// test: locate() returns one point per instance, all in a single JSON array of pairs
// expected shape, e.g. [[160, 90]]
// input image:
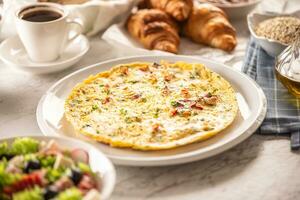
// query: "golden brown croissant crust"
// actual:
[[209, 25], [154, 29], [178, 9]]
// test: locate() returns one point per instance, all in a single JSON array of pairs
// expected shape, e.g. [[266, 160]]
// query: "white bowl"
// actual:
[[97, 15], [98, 161], [272, 47], [238, 10]]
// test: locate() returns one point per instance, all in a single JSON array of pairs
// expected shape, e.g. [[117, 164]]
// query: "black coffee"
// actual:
[[41, 16]]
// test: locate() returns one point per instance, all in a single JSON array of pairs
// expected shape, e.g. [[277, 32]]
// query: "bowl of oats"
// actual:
[[274, 32]]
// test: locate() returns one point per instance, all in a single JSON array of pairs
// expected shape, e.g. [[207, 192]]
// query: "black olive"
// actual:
[[6, 156], [75, 175], [49, 193], [32, 165]]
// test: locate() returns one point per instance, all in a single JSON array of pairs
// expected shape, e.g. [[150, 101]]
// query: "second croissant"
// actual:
[[209, 25], [178, 9]]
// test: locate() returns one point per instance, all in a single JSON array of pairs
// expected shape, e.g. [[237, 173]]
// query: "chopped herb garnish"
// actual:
[[174, 103], [86, 125], [131, 119], [123, 111], [215, 90], [97, 132], [156, 114], [107, 92], [133, 82], [101, 85], [95, 107], [137, 119], [209, 95], [192, 76], [144, 100], [128, 120], [77, 101]]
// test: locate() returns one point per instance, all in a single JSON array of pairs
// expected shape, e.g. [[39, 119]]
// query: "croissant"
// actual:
[[209, 25], [178, 9], [154, 29]]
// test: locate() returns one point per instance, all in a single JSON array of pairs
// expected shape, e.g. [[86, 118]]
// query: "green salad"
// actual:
[[34, 170]]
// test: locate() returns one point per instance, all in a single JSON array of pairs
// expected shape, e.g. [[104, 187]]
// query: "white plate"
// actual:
[[13, 53], [251, 99], [98, 161]]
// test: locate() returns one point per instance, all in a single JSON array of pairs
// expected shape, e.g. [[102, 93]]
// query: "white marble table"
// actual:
[[259, 168]]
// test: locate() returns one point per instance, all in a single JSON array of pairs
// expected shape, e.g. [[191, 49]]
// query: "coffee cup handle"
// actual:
[[75, 28]]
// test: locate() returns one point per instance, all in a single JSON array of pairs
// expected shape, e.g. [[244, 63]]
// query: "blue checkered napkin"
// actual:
[[283, 114]]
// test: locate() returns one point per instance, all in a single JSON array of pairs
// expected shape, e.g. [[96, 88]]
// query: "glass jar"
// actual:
[[287, 68]]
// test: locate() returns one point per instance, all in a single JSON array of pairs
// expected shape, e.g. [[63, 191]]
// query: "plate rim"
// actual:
[[173, 159]]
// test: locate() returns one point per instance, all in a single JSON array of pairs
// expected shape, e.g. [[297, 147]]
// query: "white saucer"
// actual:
[[13, 53]]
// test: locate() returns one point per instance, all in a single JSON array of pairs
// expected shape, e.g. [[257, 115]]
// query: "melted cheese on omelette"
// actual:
[[151, 106]]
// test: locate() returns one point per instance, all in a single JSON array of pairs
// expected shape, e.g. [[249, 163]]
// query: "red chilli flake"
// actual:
[[155, 127], [106, 100], [173, 112], [106, 86], [136, 96]]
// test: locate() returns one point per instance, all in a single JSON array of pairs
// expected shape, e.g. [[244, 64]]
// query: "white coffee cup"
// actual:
[[43, 39]]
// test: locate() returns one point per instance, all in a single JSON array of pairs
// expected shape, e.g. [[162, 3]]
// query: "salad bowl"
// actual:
[[53, 168]]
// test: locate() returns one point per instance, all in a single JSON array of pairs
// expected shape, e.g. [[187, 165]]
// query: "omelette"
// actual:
[[151, 106]]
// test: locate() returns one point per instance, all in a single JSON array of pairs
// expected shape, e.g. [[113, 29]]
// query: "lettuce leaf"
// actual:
[[24, 145], [29, 194], [70, 194], [5, 177]]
